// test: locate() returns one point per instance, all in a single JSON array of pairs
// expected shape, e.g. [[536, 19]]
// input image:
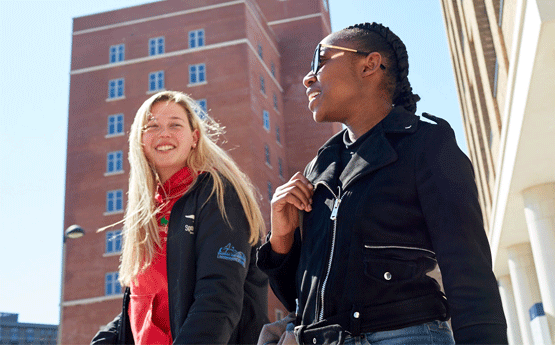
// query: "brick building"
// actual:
[[243, 60]]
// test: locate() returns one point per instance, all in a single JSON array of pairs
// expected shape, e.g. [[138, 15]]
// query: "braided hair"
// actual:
[[374, 37]]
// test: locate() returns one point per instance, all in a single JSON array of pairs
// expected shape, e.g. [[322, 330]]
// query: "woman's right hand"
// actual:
[[288, 199]]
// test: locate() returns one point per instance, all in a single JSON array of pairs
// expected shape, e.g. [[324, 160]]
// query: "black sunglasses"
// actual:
[[315, 65]]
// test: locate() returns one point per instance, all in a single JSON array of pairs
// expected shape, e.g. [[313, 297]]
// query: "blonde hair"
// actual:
[[140, 229]]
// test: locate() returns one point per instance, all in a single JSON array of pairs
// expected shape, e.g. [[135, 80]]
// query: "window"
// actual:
[[14, 335], [270, 191], [260, 51], [29, 335], [112, 286], [115, 124], [326, 5], [273, 70], [113, 241], [278, 135], [266, 116], [117, 53], [202, 104], [156, 81], [197, 73], [280, 168], [267, 154], [114, 162], [500, 21], [156, 46], [196, 38], [490, 138], [115, 88], [203, 109], [262, 86], [114, 201], [275, 102]]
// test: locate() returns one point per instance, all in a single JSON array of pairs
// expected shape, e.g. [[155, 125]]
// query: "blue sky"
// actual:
[[35, 40]]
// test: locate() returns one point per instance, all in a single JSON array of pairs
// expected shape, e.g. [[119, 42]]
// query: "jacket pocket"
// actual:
[[397, 264]]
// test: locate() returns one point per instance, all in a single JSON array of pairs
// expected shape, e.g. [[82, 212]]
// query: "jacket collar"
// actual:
[[374, 153]]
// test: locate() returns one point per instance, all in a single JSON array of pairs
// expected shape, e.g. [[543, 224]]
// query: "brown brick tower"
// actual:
[[243, 60]]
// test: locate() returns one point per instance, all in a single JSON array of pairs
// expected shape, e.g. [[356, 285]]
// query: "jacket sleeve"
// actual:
[[449, 200], [109, 333], [281, 270], [222, 256]]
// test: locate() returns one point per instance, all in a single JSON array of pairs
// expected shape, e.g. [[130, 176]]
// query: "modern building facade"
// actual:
[[503, 57], [14, 332], [243, 60]]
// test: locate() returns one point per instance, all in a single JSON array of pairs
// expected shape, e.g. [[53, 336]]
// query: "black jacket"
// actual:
[[406, 200], [217, 295]]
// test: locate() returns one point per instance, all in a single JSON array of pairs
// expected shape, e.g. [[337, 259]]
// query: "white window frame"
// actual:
[[113, 243], [270, 191], [114, 163], [267, 155], [118, 125], [202, 109], [117, 86], [114, 196], [117, 53], [195, 73], [111, 278], [266, 120], [158, 44], [158, 78], [196, 39], [202, 104], [262, 85]]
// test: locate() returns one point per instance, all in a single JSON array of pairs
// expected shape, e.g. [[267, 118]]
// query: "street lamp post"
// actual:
[[74, 231]]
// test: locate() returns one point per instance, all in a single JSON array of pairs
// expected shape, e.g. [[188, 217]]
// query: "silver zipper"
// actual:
[[398, 247], [333, 217]]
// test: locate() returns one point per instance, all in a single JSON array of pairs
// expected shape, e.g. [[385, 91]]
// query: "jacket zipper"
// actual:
[[333, 217]]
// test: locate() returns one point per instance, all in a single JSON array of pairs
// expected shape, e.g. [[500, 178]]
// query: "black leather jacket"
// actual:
[[405, 201], [217, 295]]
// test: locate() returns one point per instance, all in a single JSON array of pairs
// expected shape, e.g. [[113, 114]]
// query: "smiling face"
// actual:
[[335, 89], [168, 138]]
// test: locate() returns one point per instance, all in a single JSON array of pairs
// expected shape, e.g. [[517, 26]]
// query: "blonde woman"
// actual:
[[190, 234]]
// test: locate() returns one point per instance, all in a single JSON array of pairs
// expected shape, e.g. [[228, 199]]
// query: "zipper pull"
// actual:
[[336, 206]]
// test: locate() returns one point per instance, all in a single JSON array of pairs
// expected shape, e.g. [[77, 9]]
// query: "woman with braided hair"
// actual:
[[381, 205]]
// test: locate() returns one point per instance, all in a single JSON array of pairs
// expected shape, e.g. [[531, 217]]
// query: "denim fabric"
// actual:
[[435, 332]]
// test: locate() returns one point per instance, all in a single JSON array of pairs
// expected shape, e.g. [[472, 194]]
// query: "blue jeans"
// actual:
[[435, 332]]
